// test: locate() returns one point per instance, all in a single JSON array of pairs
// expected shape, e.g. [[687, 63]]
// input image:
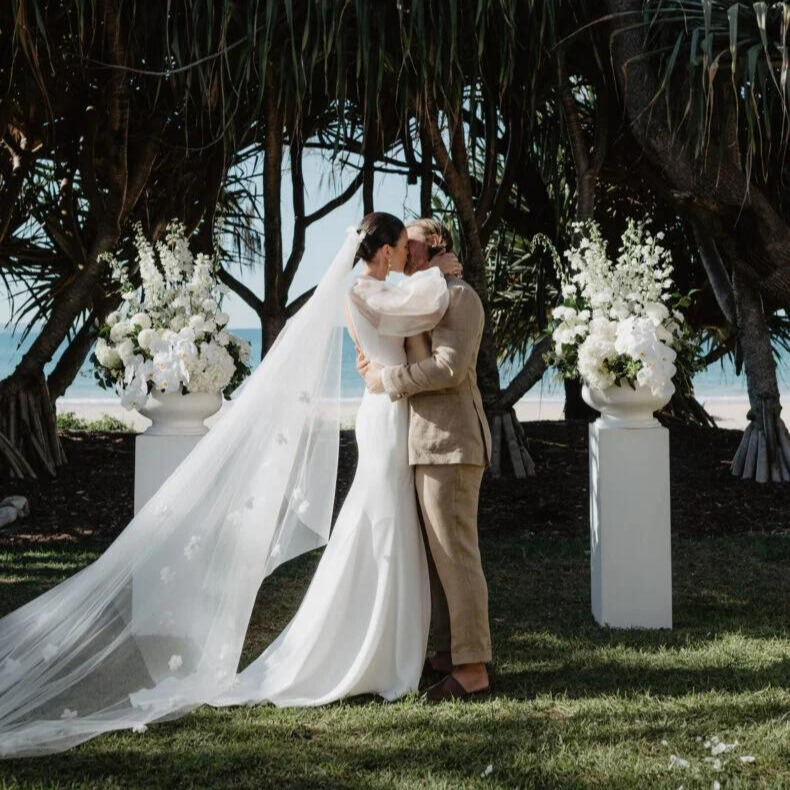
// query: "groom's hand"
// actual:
[[448, 263], [370, 372]]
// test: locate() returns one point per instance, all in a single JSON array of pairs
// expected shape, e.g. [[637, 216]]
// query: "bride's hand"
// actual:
[[448, 263]]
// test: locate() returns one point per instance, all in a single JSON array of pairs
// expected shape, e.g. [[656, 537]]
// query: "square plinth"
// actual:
[[630, 550]]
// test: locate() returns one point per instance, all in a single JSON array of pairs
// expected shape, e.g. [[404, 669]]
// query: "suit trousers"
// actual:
[[448, 496]]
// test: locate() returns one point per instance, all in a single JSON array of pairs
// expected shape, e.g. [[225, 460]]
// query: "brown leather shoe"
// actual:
[[450, 688], [430, 675]]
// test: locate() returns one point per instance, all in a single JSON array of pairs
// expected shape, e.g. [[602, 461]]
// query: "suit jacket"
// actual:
[[448, 424]]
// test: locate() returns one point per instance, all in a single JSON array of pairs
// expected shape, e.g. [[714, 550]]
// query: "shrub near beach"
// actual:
[[170, 335]]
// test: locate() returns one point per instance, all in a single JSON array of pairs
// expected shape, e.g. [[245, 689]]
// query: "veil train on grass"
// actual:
[[155, 626]]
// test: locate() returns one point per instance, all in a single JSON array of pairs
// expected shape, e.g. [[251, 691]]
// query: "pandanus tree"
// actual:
[[704, 89], [94, 106]]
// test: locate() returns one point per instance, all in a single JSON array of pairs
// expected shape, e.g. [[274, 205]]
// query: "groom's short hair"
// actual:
[[430, 227]]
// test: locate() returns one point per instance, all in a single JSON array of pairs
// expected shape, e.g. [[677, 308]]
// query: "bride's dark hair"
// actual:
[[380, 229]]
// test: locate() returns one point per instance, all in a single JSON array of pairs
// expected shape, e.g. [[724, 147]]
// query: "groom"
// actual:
[[449, 447]]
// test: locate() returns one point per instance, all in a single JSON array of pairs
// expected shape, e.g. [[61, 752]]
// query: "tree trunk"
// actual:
[[72, 359], [28, 413], [505, 428], [28, 424], [764, 451]]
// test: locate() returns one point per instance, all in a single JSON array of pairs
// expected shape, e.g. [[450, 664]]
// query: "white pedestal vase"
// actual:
[[177, 427], [631, 567]]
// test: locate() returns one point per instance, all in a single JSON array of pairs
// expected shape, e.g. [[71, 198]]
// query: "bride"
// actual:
[[155, 627]]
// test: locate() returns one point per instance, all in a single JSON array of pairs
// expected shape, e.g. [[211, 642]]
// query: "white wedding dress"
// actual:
[[362, 627], [154, 627]]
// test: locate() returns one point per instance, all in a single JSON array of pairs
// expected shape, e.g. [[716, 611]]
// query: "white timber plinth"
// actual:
[[155, 459], [630, 553]]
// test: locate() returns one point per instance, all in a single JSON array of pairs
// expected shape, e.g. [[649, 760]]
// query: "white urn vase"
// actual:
[[624, 406], [176, 414]]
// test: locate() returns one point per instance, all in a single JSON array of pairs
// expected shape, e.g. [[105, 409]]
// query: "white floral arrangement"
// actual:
[[617, 323], [170, 334]]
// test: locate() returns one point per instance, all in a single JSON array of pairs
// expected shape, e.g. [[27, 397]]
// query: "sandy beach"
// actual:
[[729, 412]]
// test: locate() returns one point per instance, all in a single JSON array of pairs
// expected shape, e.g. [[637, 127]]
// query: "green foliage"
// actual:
[[725, 63], [522, 287], [68, 421]]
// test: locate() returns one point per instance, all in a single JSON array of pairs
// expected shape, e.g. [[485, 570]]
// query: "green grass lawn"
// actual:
[[576, 706]]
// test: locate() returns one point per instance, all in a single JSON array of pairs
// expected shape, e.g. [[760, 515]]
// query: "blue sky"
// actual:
[[324, 180]]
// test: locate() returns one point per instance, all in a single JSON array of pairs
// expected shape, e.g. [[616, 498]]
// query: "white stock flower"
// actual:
[[181, 334]]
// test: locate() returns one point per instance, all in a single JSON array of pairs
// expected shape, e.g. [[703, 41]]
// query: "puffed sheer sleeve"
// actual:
[[415, 305]]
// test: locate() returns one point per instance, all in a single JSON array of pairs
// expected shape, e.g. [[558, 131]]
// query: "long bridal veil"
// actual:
[[155, 626]]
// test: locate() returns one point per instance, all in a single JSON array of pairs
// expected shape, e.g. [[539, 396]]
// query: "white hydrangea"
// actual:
[[119, 331], [141, 320], [212, 370], [147, 338], [107, 355]]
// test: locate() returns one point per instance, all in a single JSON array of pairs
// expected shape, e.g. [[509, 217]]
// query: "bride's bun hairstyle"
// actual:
[[436, 233], [380, 229]]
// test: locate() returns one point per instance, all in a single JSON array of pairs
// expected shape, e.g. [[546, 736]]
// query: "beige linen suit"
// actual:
[[450, 446]]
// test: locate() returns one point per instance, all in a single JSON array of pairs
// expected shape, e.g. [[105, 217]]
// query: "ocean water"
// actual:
[[719, 380]]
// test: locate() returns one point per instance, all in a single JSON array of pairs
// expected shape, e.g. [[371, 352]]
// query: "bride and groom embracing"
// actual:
[[155, 626]]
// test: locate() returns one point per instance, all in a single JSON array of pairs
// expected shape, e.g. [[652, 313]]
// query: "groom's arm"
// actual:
[[453, 342]]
